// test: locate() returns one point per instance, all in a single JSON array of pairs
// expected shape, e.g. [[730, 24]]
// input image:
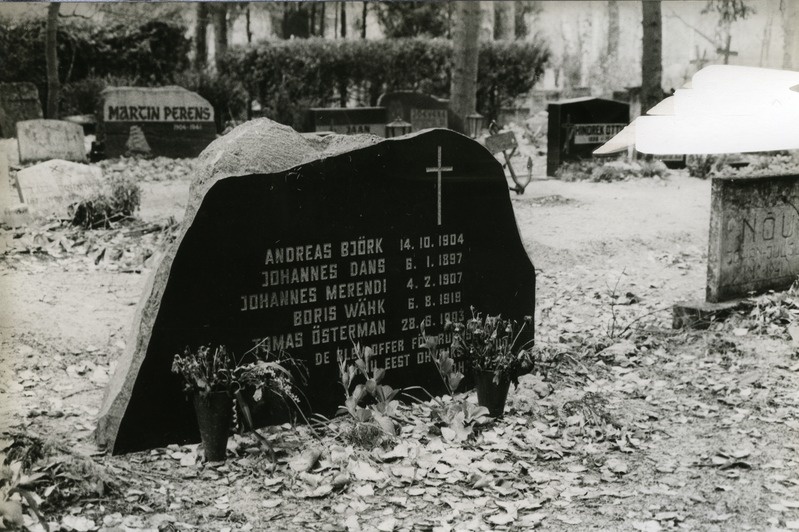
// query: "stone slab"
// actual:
[[18, 102], [422, 111], [49, 188], [701, 314], [42, 140], [347, 121], [576, 127], [340, 241], [754, 236], [174, 122]]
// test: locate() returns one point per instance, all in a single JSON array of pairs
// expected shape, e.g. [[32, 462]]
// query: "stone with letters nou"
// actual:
[[578, 126], [175, 122], [754, 236], [347, 121], [362, 245]]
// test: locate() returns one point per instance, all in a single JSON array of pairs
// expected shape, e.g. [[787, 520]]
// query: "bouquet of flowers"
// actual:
[[493, 344]]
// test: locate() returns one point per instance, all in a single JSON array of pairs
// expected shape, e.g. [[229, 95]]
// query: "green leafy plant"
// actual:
[[458, 415], [251, 378], [118, 202], [383, 397], [16, 487], [493, 344]]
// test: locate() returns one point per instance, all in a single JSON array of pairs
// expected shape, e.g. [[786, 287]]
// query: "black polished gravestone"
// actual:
[[347, 121], [364, 246], [578, 126]]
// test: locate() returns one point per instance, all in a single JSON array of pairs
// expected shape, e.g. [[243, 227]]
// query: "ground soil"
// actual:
[[704, 424]]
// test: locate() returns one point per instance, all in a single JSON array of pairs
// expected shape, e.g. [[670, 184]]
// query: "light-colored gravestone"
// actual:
[[49, 188], [170, 121], [18, 102], [754, 236], [42, 140]]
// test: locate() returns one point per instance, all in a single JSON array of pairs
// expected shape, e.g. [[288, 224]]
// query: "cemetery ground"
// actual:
[[626, 425]]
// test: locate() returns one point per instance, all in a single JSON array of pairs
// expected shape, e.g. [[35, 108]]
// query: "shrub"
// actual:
[[287, 76], [226, 95], [146, 54], [608, 171], [118, 202]]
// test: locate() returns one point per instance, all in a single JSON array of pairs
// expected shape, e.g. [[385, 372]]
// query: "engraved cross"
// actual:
[[438, 169]]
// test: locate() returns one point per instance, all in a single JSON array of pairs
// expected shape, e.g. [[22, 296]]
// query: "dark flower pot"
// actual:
[[490, 394], [214, 414]]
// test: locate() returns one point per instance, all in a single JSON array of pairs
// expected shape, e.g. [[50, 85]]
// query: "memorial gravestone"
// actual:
[[18, 102], [42, 140], [171, 121], [754, 236], [347, 121], [422, 111], [578, 126], [49, 188], [362, 244]]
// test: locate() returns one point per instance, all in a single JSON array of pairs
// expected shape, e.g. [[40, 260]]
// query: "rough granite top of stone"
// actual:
[[263, 146]]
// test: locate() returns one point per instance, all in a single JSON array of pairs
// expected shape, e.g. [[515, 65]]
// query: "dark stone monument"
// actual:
[[18, 102], [43, 140], [754, 236], [347, 121], [311, 244], [172, 121], [422, 111], [578, 126]]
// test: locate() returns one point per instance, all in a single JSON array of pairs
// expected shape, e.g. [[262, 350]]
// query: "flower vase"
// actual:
[[214, 412], [490, 394]]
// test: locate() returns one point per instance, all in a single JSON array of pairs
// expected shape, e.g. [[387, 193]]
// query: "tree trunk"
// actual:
[[790, 28], [504, 20], [466, 46], [312, 23], [652, 56], [322, 21], [51, 54], [201, 36], [486, 19], [363, 22], [249, 23], [613, 29], [220, 32], [343, 20], [520, 9]]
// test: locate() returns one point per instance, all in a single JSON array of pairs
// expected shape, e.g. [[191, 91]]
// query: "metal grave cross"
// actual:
[[438, 169]]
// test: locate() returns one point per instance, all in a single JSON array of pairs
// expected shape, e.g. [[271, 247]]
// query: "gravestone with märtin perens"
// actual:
[[171, 121], [310, 245]]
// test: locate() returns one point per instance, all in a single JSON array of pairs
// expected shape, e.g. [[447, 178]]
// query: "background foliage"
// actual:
[[287, 76]]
